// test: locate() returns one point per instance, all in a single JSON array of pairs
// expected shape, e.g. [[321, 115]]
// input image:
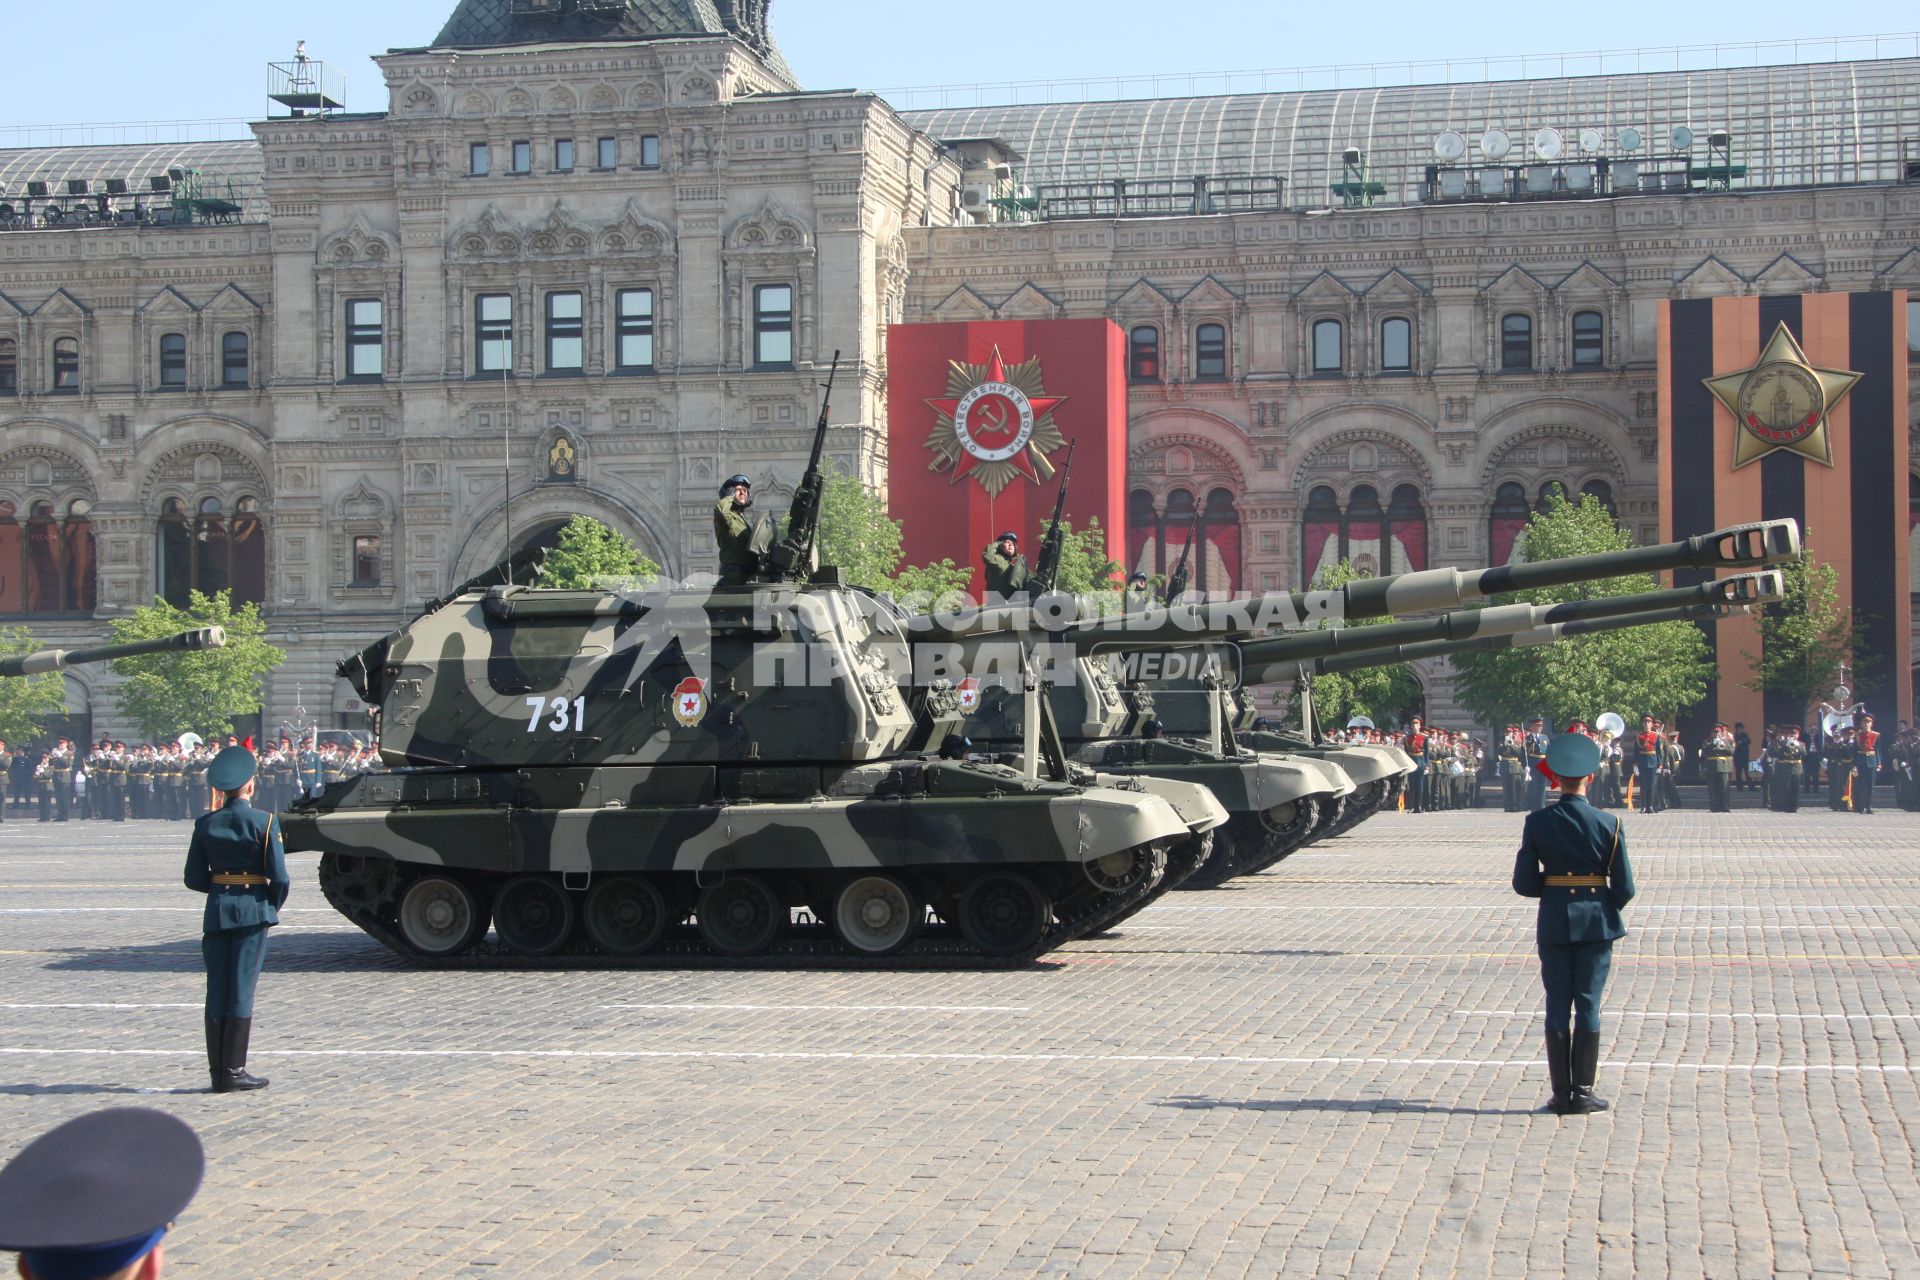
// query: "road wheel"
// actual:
[[1004, 914], [877, 915], [626, 916], [533, 915], [741, 916], [441, 916]]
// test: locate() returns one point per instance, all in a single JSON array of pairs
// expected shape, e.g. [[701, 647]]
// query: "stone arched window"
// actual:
[[1913, 527], [1516, 341], [211, 548], [1600, 491], [1143, 354], [1161, 534], [1589, 340], [47, 559], [1374, 538], [1507, 521], [9, 367]]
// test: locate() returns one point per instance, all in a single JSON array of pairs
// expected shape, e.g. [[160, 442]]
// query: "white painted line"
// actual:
[[1720, 1017], [194, 909], [1176, 1059], [1772, 928], [834, 1008], [194, 1005]]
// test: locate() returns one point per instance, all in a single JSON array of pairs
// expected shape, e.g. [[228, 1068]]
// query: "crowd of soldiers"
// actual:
[[114, 781], [1851, 762]]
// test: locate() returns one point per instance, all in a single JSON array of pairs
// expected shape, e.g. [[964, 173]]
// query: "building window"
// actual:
[[1913, 325], [1396, 345], [566, 350], [523, 157], [1516, 341], [366, 338], [210, 552], [563, 155], [479, 159], [1156, 538], [234, 365], [1372, 539], [607, 155], [1601, 492], [1143, 354], [634, 329], [366, 560], [650, 151], [773, 325], [1326, 346], [66, 366], [9, 367], [1589, 330], [1210, 351], [46, 565], [173, 361], [493, 333]]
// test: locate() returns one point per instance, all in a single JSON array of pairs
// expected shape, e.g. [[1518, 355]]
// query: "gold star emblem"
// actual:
[[1782, 402], [995, 423]]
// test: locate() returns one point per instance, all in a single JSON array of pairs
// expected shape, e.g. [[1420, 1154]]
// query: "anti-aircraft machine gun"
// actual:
[[627, 759]]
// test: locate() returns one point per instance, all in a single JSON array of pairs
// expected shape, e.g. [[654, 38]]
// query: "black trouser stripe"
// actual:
[[1783, 483], [1876, 523], [1690, 346]]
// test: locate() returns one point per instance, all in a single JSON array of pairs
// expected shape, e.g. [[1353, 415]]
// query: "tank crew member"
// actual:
[[733, 534], [1139, 593], [236, 859], [1573, 858], [94, 1197], [1006, 576], [1535, 746], [1716, 762], [1866, 764]]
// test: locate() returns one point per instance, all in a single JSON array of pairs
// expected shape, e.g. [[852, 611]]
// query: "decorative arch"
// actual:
[[1511, 444], [769, 229], [358, 244], [633, 232], [538, 505], [47, 551], [1173, 478], [1360, 454]]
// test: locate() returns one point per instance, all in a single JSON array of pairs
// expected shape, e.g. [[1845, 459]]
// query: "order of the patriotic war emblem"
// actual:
[[995, 423], [1782, 402]]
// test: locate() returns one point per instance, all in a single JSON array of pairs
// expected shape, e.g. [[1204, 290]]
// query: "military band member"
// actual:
[[1716, 762], [1785, 760], [1742, 756], [1006, 569], [1536, 749], [1573, 858], [1839, 769], [1673, 757], [1417, 744], [1646, 763], [1904, 756], [1866, 764], [733, 533], [1513, 769], [236, 859]]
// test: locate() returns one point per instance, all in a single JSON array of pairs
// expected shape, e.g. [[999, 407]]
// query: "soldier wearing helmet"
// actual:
[[1006, 576], [732, 533]]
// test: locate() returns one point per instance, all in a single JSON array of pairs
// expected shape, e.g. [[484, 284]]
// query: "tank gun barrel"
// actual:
[[43, 660], [1743, 546], [1496, 620], [1516, 640]]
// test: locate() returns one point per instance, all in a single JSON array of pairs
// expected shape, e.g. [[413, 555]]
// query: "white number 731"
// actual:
[[562, 711]]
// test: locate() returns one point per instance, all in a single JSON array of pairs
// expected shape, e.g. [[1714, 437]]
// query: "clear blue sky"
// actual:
[[128, 61]]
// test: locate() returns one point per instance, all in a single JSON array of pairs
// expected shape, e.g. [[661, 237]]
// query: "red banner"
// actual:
[[980, 414]]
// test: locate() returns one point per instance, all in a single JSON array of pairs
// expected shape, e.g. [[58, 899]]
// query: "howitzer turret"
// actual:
[[43, 660]]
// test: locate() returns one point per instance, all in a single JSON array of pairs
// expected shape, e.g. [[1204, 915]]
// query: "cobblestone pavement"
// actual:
[[1331, 1069]]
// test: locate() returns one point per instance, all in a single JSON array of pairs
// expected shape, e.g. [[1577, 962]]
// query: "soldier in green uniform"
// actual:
[[1139, 594], [60, 769], [1006, 576], [1716, 763], [1573, 858], [1905, 755], [732, 532], [1785, 759], [1513, 769], [1535, 746], [1839, 767], [6, 777], [236, 859]]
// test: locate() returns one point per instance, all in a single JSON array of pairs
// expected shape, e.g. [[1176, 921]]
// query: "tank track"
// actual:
[[1378, 795], [939, 945], [1272, 846]]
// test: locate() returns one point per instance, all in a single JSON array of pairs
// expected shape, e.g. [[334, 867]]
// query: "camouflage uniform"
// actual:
[[733, 534]]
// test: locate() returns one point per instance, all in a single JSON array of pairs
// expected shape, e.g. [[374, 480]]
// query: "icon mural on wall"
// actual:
[[1782, 402], [561, 459], [995, 423]]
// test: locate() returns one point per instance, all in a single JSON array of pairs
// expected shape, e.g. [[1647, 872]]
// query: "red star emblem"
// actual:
[[995, 420]]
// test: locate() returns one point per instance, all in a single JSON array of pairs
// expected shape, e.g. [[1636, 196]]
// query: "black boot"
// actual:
[[1560, 1069], [1586, 1065], [216, 1065], [234, 1057]]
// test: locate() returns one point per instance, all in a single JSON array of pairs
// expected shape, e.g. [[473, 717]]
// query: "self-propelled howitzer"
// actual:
[[44, 660]]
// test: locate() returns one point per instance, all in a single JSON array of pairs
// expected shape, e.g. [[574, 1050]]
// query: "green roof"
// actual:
[[483, 23]]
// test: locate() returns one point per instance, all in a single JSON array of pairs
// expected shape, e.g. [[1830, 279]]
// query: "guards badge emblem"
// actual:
[[690, 701]]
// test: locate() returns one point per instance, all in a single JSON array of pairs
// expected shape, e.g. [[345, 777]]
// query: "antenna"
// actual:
[[1547, 144], [1629, 139], [1590, 141], [1450, 146], [1682, 137], [1495, 143]]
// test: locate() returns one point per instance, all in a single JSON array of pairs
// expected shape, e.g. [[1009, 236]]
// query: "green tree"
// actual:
[[589, 553], [858, 536], [1085, 567], [1661, 669], [23, 702], [1384, 695], [1805, 637], [166, 694]]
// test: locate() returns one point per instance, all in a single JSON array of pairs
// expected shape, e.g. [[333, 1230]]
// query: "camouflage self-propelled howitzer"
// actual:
[[41, 661], [1206, 707], [587, 769]]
